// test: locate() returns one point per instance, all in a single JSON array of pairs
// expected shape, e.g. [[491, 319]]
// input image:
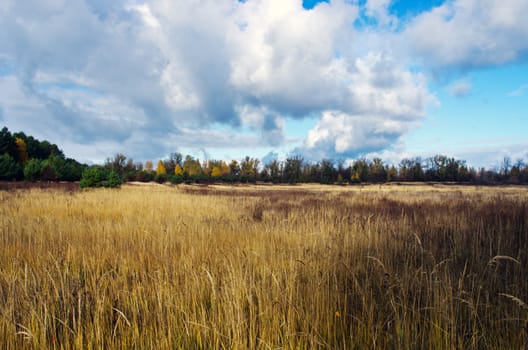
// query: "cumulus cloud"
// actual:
[[285, 56], [147, 77], [342, 135], [120, 72], [465, 34], [385, 101]]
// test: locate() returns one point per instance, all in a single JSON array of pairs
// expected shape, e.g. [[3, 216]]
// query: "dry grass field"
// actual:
[[262, 267]]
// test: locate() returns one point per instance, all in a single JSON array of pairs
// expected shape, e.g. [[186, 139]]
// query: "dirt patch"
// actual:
[[23, 185]]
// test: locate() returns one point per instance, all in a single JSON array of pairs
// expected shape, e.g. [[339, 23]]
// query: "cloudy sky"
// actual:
[[224, 78]]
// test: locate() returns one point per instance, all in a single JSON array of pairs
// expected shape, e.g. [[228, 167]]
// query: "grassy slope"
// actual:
[[422, 267]]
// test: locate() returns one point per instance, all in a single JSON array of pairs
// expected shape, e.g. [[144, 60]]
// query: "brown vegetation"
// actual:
[[405, 267], [19, 185]]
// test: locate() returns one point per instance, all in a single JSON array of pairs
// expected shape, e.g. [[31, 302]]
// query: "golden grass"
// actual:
[[302, 267]]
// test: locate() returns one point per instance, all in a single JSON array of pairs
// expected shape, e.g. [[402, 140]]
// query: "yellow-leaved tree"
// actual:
[[178, 170], [192, 166], [216, 172], [216, 168], [22, 149], [160, 169]]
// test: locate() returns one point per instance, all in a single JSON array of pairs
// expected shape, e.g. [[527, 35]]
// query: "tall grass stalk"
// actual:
[[162, 267]]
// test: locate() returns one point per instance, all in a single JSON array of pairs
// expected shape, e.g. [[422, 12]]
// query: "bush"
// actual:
[[100, 177], [93, 177], [131, 175], [32, 170], [113, 180], [176, 179], [144, 176], [161, 178]]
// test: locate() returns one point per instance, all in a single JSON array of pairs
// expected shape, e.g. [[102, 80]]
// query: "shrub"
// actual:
[[113, 180], [92, 177], [144, 176], [161, 178], [176, 179], [131, 175], [32, 170], [100, 177]]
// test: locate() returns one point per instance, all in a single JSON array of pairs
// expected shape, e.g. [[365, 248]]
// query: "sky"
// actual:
[[222, 79]]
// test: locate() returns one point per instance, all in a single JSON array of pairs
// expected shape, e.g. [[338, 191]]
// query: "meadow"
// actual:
[[264, 267]]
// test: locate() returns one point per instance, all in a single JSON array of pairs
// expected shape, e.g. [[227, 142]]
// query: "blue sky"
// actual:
[[490, 118], [337, 79]]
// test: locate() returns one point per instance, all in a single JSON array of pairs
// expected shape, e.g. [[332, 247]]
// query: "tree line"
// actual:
[[23, 157]]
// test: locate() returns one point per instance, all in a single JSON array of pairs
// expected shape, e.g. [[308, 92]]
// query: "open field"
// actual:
[[295, 267]]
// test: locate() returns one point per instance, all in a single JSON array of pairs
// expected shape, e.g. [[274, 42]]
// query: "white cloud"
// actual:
[[470, 33], [146, 15], [150, 76], [460, 88], [164, 66], [342, 135], [285, 56], [385, 101], [379, 10]]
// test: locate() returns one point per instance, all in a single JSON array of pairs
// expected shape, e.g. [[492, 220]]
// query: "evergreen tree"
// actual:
[[32, 170], [9, 168]]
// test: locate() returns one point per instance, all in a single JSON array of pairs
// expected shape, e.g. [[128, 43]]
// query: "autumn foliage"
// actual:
[[160, 168], [22, 149]]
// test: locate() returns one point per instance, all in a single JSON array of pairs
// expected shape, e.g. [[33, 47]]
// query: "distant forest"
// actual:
[[24, 158]]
